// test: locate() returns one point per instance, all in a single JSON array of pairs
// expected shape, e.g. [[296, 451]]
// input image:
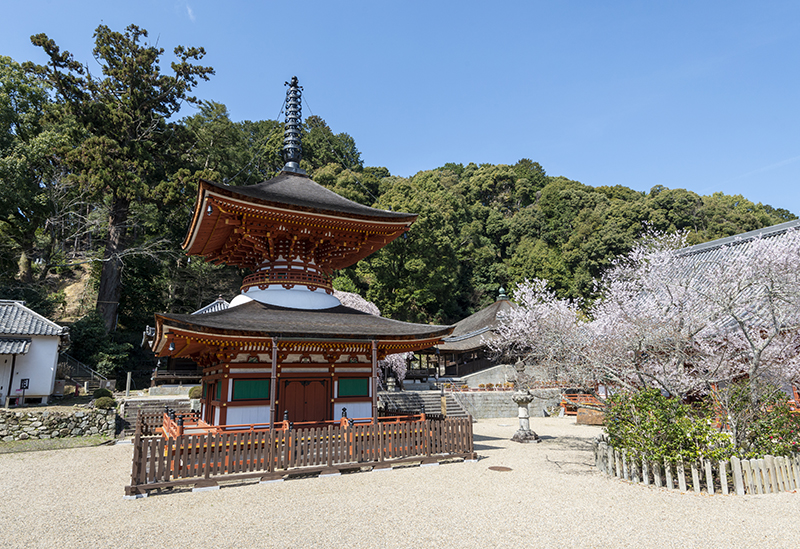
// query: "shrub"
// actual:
[[196, 392], [105, 403], [775, 431], [99, 393], [662, 428]]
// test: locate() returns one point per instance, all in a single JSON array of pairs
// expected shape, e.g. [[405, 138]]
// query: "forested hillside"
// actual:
[[98, 179]]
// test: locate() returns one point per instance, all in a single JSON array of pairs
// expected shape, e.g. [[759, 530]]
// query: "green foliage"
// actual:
[[661, 428], [96, 348], [105, 403], [759, 418], [196, 392], [775, 431], [99, 393]]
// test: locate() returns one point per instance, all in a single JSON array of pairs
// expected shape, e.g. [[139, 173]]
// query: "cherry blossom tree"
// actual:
[[688, 321], [545, 332]]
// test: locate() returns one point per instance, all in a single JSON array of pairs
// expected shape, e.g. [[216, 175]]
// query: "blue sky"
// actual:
[[697, 95]]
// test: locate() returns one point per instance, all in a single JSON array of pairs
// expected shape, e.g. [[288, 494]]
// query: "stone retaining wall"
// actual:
[[494, 404], [28, 424]]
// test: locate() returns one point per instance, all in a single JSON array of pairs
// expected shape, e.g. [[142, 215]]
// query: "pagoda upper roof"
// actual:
[[302, 193], [291, 205], [259, 320]]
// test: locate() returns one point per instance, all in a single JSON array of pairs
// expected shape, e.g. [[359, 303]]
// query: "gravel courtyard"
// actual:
[[552, 497]]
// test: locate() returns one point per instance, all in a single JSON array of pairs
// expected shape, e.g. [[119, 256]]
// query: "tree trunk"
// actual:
[[25, 273], [111, 276]]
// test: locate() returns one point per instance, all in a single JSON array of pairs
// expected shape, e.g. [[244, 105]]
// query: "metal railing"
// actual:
[[74, 369]]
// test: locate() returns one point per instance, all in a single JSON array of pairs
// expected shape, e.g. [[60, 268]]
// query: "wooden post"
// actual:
[[760, 479], [738, 482], [645, 472], [748, 476], [769, 461], [668, 474], [796, 467], [681, 476], [374, 381], [695, 477], [723, 477], [273, 384], [709, 477], [656, 474]]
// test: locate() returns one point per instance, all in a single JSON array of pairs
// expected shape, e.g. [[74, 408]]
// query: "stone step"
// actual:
[[131, 407], [416, 401]]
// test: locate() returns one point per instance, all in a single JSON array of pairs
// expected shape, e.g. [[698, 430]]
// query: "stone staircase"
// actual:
[[417, 401], [131, 407]]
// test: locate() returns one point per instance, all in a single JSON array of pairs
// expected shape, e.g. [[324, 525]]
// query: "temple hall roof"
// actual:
[[257, 319], [472, 332]]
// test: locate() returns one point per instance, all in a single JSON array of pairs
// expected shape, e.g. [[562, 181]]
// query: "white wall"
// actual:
[[238, 415], [38, 365], [354, 409]]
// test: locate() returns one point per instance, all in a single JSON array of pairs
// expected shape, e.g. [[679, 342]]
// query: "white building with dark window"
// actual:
[[29, 346]]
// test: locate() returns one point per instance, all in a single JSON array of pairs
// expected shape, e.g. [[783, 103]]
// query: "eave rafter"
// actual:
[[246, 235]]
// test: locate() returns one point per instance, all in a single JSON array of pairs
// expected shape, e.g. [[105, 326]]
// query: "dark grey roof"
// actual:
[[740, 239], [695, 263], [261, 320], [217, 305], [17, 319], [302, 191], [14, 346], [474, 331]]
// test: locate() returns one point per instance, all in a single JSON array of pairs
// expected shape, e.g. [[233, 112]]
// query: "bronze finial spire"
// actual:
[[292, 147]]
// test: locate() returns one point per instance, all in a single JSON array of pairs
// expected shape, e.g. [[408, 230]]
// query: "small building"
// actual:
[[465, 351], [29, 347]]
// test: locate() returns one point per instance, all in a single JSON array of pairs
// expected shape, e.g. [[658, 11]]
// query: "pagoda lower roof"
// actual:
[[259, 320]]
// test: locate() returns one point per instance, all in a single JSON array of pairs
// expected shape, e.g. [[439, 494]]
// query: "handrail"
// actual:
[[72, 367], [180, 423]]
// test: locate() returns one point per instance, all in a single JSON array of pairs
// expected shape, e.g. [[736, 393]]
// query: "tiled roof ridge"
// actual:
[[27, 311], [764, 232]]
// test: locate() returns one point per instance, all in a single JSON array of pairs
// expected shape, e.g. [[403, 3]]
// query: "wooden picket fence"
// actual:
[[202, 460], [765, 475]]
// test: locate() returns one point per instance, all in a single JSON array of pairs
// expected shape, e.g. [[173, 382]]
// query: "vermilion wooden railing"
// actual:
[[206, 458]]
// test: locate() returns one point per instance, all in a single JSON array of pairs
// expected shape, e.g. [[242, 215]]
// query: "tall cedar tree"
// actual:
[[129, 147]]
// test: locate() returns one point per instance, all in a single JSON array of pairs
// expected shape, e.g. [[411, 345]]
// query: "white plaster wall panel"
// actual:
[[355, 410], [246, 415]]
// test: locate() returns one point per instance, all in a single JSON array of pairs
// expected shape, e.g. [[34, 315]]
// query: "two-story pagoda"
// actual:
[[286, 344]]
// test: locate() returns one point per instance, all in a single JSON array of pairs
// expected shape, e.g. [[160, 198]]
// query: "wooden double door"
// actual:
[[305, 400]]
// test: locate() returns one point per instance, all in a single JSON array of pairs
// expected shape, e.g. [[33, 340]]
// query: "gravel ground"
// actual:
[[552, 497]]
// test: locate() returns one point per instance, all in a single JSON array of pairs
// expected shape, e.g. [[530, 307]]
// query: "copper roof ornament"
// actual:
[[292, 145]]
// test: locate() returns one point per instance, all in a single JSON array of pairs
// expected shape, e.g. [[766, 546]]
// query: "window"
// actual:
[[353, 387], [250, 389]]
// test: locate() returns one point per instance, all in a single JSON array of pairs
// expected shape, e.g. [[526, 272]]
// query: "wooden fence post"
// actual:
[[774, 476], [656, 474], [709, 476], [681, 476], [695, 477], [645, 472], [668, 474], [738, 481], [796, 467], [723, 477]]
